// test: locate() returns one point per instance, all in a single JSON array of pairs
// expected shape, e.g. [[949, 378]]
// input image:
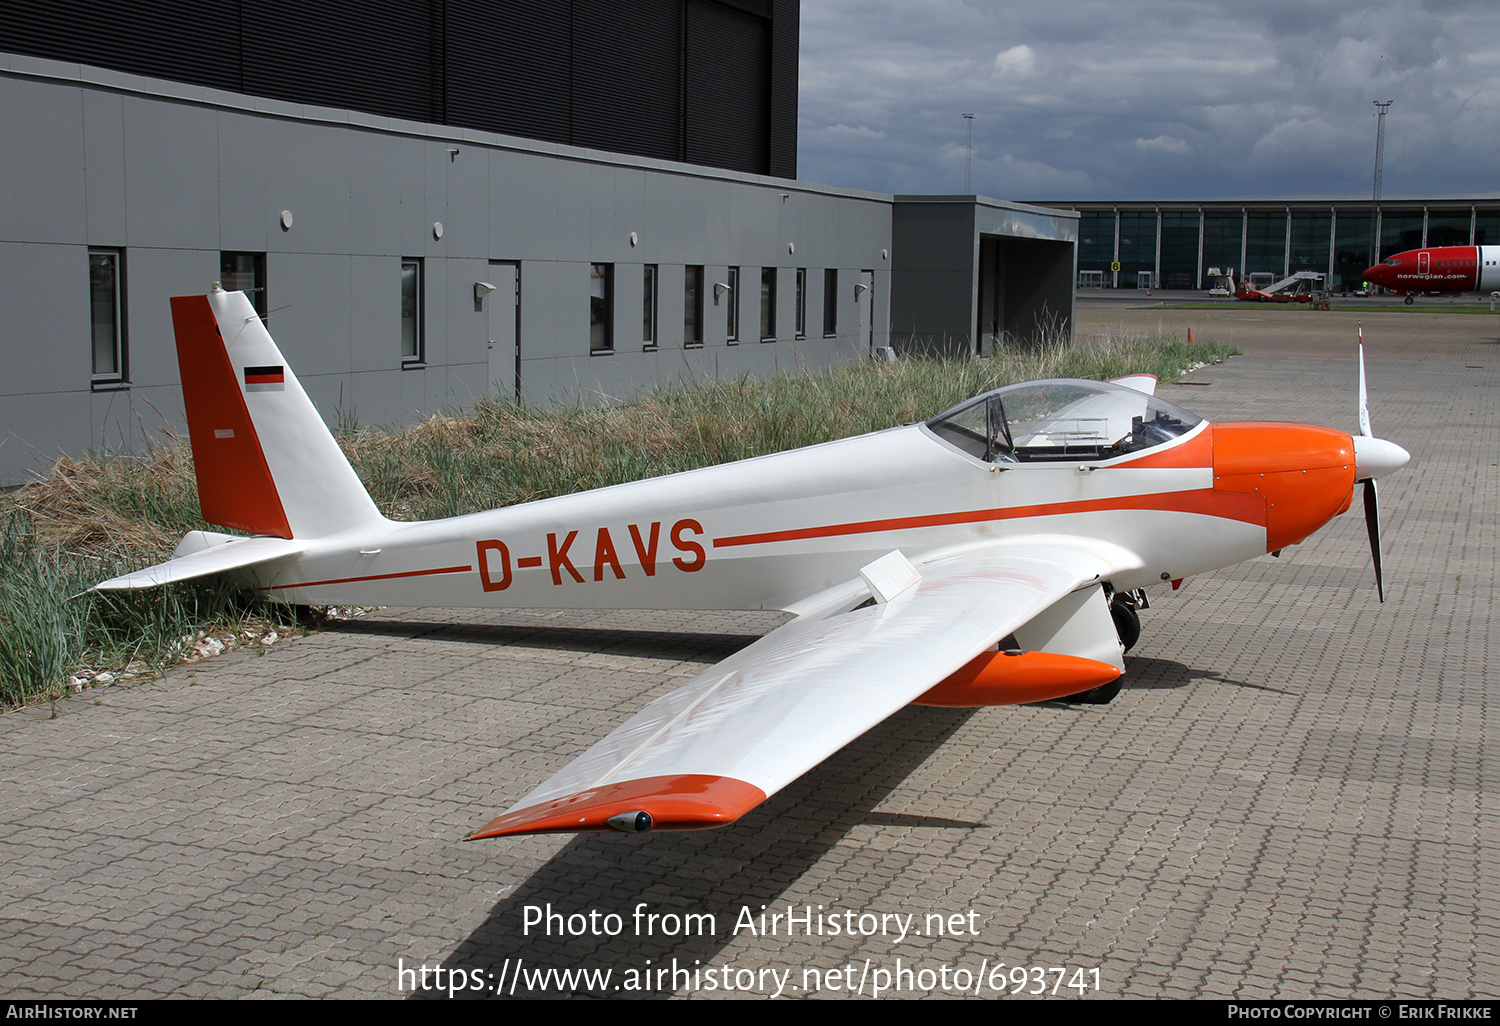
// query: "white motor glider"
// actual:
[[993, 555]]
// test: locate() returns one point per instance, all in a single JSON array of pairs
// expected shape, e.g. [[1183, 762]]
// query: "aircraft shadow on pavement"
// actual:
[[751, 863], [652, 644], [1143, 673]]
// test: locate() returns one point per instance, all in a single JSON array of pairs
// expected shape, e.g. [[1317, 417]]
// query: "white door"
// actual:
[[504, 309]]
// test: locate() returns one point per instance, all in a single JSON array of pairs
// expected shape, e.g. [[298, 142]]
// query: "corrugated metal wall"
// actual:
[[728, 82], [711, 82]]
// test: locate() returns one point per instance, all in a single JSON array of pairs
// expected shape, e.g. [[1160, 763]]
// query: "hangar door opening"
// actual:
[[1025, 291], [503, 307]]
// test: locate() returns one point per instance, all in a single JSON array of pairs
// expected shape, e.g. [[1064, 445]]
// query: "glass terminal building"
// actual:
[[1173, 245]]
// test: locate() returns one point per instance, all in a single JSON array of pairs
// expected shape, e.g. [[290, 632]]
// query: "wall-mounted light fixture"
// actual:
[[482, 289], [286, 220], [437, 229], [719, 289], [452, 154], [634, 238]]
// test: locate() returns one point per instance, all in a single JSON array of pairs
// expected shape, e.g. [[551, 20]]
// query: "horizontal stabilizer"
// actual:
[[231, 555], [1140, 382]]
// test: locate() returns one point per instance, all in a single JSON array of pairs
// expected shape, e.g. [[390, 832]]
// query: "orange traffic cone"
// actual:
[[1190, 336]]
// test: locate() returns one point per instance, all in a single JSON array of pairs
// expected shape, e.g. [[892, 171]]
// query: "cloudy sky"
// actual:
[[1151, 99]]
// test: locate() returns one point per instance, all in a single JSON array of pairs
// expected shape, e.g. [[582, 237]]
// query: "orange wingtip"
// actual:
[[1003, 678], [675, 802]]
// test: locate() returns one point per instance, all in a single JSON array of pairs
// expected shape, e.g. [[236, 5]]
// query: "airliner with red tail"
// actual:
[[994, 554], [1438, 269]]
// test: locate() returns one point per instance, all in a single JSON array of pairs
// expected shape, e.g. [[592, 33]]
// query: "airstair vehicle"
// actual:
[[1223, 286], [1297, 287]]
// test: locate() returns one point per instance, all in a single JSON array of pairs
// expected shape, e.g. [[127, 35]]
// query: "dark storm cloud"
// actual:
[[1162, 99]]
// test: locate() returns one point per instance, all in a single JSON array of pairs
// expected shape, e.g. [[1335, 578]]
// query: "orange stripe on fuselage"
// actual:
[[372, 577], [1205, 501], [1197, 451]]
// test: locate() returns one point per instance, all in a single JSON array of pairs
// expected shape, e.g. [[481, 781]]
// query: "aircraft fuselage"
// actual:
[[768, 533], [1439, 269]]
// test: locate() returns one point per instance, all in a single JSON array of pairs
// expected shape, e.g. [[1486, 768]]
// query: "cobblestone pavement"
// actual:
[[1293, 797]]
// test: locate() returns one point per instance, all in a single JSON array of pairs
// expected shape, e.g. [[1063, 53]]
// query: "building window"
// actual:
[[648, 306], [107, 316], [732, 328], [245, 272], [801, 302], [692, 306], [768, 304], [411, 311], [601, 308], [831, 301]]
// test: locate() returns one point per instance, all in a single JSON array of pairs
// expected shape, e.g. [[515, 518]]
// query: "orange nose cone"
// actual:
[[1304, 473]]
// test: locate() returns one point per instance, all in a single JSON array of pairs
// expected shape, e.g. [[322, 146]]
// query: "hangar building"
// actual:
[[439, 199]]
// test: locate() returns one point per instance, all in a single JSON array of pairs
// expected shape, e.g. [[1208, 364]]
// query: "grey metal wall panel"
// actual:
[[34, 327], [104, 167], [306, 172], [27, 453], [371, 305], [378, 179], [171, 174], [153, 276], [199, 177], [40, 165]]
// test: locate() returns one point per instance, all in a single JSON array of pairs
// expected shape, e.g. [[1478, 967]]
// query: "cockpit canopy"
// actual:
[[1060, 419]]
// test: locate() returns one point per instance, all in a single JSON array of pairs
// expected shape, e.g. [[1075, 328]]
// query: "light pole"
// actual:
[[969, 155], [1375, 195]]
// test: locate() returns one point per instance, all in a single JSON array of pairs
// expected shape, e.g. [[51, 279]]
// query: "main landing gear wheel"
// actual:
[[1127, 622], [1410, 300], [1122, 610], [1102, 695]]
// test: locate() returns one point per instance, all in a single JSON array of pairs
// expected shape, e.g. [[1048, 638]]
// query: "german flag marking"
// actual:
[[265, 379]]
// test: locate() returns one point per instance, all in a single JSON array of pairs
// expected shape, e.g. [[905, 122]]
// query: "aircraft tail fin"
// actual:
[[265, 461]]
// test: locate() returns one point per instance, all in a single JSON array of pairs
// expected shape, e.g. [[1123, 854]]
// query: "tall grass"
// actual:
[[52, 626], [502, 453], [95, 517]]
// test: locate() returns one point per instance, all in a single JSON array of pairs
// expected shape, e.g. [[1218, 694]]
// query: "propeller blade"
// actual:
[[1372, 524], [1364, 396]]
